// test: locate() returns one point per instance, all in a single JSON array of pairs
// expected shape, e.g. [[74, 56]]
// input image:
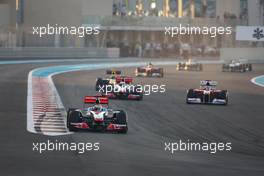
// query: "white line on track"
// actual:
[[253, 80]]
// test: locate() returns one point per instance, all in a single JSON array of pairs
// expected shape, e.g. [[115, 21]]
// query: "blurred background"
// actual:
[[129, 28]]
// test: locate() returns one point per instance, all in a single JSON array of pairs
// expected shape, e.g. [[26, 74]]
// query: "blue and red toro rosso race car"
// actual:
[[97, 116]]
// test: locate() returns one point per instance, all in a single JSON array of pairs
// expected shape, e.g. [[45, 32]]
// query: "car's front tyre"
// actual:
[[73, 117], [121, 119]]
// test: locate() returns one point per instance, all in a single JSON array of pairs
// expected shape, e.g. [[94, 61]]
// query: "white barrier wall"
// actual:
[[251, 54]]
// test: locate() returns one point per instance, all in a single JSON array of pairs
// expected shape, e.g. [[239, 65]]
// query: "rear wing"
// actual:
[[192, 61], [244, 61], [95, 100], [208, 83], [113, 72], [124, 79]]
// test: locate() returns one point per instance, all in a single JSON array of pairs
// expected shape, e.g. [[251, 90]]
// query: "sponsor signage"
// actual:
[[250, 33]]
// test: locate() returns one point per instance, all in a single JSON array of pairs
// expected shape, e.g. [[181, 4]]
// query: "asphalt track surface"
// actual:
[[157, 119]]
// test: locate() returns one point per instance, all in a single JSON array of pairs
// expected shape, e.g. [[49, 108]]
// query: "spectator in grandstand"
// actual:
[[138, 49], [123, 10], [139, 8], [157, 49], [115, 9], [147, 49]]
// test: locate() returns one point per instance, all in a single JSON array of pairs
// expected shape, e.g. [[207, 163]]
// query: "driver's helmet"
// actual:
[[97, 107], [149, 64], [234, 61], [122, 84], [207, 88]]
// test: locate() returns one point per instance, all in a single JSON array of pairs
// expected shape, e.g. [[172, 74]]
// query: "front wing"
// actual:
[[200, 101], [126, 96], [112, 127]]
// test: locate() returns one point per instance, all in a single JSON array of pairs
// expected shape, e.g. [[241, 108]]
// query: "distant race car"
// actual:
[[97, 116], [207, 94], [113, 72], [123, 90], [190, 65], [237, 66], [115, 75], [149, 71]]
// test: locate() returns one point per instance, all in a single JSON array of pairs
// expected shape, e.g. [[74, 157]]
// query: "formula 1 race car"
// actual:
[[97, 117], [237, 66], [190, 65], [149, 71], [113, 72], [207, 94], [111, 80], [123, 90]]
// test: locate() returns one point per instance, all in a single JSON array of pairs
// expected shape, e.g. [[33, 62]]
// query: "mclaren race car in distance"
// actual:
[[207, 94], [190, 65], [149, 71], [97, 116], [237, 66]]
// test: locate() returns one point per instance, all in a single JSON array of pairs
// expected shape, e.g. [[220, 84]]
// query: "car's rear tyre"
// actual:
[[98, 83], [225, 68], [250, 67], [190, 94], [224, 95], [161, 72], [140, 98], [139, 71], [243, 69], [178, 67]]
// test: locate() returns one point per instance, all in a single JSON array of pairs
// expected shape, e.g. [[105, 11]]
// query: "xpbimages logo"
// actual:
[[145, 89], [183, 146], [80, 147], [212, 31], [80, 31]]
